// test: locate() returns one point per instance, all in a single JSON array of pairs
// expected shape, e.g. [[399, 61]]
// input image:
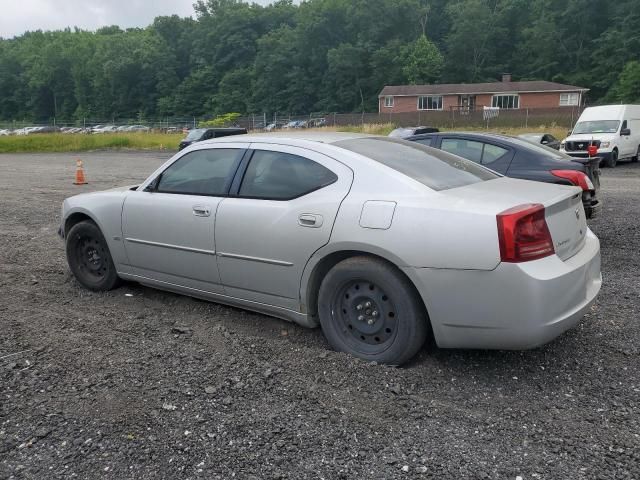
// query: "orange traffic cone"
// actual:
[[80, 180]]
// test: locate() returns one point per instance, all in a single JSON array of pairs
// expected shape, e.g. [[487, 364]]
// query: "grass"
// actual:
[[56, 142]]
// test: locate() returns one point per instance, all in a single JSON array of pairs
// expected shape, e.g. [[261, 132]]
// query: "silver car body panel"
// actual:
[[262, 254]]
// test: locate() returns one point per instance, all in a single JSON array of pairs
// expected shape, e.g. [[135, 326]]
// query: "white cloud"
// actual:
[[18, 16]]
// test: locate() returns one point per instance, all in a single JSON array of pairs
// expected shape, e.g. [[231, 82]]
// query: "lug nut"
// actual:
[[360, 318], [359, 307], [374, 313], [370, 321], [368, 304]]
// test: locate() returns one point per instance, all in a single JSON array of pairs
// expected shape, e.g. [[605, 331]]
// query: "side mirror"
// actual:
[[544, 142], [153, 185], [625, 132]]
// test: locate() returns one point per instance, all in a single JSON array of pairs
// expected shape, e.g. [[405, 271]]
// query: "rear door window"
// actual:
[[283, 176], [424, 141], [469, 149]]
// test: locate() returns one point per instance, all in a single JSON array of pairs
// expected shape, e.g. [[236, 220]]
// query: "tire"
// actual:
[[613, 159], [635, 159], [89, 258], [368, 309]]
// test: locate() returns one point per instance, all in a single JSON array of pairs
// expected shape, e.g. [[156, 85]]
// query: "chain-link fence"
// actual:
[[449, 119]]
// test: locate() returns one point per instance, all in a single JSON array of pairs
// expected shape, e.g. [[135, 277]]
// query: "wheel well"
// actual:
[[74, 219], [330, 261]]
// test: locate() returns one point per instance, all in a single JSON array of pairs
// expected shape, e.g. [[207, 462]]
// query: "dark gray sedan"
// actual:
[[518, 158]]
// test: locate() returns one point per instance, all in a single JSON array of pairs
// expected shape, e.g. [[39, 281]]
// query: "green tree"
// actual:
[[627, 89], [423, 61]]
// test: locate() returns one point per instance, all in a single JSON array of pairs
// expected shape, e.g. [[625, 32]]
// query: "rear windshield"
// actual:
[[436, 169], [196, 134], [539, 149]]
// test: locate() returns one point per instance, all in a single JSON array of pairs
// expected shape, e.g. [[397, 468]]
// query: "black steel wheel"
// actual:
[[89, 257], [369, 309], [613, 159]]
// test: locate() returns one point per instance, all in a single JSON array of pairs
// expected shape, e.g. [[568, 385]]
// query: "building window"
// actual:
[[569, 99], [505, 101], [388, 101], [430, 103]]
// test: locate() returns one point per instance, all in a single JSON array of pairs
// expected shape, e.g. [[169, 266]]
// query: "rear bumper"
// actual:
[[515, 306]]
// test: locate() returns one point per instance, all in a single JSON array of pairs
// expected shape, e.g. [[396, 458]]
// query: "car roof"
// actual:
[[283, 137]]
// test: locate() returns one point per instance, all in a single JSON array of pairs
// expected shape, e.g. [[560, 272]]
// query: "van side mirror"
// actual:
[[625, 132], [569, 133]]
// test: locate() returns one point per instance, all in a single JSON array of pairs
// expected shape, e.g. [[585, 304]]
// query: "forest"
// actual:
[[316, 56]]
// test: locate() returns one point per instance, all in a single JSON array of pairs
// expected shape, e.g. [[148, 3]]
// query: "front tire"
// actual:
[[613, 159], [368, 309], [89, 257]]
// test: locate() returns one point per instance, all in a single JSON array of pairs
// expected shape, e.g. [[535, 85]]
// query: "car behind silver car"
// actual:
[[380, 241]]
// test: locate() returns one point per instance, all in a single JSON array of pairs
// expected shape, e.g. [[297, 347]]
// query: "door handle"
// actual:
[[310, 220], [201, 211]]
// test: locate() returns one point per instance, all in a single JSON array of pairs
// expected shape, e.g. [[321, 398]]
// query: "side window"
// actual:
[[203, 172], [282, 176], [492, 153], [463, 148], [425, 141]]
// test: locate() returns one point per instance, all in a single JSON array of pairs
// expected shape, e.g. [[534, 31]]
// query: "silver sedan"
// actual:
[[381, 242]]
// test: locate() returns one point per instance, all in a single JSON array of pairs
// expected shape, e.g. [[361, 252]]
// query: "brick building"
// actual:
[[471, 96]]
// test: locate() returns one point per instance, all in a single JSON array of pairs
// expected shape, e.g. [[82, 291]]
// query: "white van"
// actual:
[[614, 129]]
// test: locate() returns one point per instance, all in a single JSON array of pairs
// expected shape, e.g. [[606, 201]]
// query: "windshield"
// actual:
[[597, 126], [196, 134], [434, 168]]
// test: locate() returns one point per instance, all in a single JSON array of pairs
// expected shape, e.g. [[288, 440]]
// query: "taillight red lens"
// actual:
[[523, 234], [578, 178]]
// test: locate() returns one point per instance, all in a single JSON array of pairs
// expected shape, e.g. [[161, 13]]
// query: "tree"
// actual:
[[627, 90], [423, 62]]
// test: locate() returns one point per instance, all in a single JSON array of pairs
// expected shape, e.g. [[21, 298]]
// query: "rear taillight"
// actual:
[[523, 234], [578, 178]]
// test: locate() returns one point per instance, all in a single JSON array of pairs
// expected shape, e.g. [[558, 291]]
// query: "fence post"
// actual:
[[526, 119]]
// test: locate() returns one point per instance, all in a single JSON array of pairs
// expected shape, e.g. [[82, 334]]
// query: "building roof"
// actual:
[[478, 88]]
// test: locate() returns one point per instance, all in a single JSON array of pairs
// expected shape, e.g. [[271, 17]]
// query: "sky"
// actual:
[[18, 16]]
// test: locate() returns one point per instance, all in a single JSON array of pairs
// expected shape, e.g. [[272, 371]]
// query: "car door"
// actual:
[[280, 213], [168, 228], [492, 155], [627, 147]]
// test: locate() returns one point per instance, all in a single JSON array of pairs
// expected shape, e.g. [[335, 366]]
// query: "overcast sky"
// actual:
[[18, 16]]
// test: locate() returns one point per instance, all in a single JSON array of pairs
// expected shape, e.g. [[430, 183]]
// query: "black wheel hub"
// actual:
[[367, 314], [91, 257]]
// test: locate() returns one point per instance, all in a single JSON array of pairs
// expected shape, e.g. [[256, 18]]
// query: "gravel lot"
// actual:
[[138, 383]]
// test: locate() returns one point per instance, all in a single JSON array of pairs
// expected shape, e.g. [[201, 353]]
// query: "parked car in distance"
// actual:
[[5, 132], [105, 129], [200, 134], [380, 241], [517, 158], [545, 139], [404, 132], [138, 128], [294, 124], [316, 123], [613, 129]]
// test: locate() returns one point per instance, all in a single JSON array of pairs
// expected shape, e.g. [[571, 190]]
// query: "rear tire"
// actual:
[[89, 257], [369, 309], [635, 159]]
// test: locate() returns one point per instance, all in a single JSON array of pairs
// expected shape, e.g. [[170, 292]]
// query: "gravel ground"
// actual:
[[137, 383]]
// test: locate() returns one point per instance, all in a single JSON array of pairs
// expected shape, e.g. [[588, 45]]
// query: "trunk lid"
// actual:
[[564, 212]]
